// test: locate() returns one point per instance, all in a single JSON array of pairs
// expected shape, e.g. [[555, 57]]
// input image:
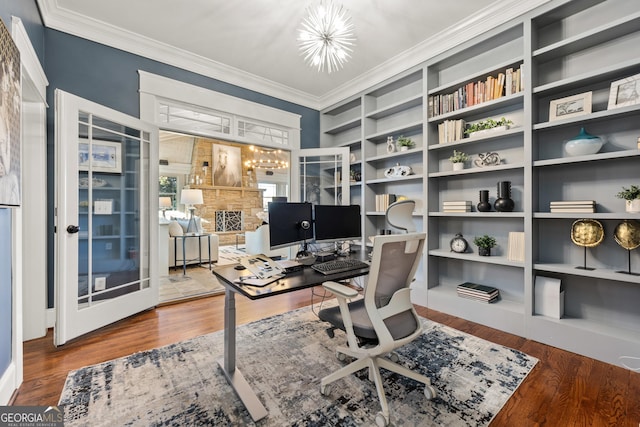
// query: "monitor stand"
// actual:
[[305, 257]]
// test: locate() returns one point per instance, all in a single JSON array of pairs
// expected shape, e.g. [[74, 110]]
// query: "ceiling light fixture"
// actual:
[[267, 159], [326, 36]]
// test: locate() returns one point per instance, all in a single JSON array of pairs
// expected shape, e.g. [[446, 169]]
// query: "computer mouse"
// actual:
[[240, 267]]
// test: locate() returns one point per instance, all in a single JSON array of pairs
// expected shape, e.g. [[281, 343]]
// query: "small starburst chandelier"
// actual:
[[326, 36]]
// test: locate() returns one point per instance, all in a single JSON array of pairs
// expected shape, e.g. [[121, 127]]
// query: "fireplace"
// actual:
[[228, 221]]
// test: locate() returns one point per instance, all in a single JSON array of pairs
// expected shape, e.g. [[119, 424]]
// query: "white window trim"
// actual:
[[154, 88]]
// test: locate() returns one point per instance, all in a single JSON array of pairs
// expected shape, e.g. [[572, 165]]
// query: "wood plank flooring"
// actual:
[[564, 389]]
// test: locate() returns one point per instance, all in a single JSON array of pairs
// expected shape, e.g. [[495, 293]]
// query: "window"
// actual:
[[270, 191], [169, 188]]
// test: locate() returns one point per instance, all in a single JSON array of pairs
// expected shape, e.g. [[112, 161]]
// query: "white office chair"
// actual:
[[383, 320], [400, 215]]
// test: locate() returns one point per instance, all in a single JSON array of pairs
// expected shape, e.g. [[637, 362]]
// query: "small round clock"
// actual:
[[458, 244]]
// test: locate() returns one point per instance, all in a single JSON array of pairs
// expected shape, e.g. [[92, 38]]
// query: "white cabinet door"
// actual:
[[106, 216], [323, 175]]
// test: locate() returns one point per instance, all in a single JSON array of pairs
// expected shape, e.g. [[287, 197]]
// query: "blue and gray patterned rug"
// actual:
[[283, 358]]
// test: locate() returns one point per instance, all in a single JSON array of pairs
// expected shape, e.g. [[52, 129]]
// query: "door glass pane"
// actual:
[[321, 178], [112, 161]]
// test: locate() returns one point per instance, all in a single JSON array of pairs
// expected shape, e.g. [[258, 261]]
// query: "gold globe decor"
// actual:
[[627, 234], [587, 232]]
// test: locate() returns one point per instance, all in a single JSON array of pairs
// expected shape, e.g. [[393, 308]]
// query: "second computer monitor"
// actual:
[[334, 223]]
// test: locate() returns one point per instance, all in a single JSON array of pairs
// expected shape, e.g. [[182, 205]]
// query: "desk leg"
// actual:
[[228, 363], [209, 241], [184, 256]]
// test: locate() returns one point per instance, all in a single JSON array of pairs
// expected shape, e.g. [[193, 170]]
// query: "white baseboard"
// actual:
[[8, 384], [51, 317]]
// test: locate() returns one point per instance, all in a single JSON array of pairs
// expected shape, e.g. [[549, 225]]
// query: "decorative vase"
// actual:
[[632, 206], [583, 144], [484, 251], [458, 166], [504, 203], [484, 205]]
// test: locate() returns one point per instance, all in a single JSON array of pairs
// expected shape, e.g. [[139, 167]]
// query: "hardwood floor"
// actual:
[[564, 389]]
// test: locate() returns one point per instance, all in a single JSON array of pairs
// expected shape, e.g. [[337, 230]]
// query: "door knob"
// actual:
[[73, 229]]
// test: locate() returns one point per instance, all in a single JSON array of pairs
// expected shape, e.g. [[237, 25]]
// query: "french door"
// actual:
[[106, 216], [323, 176]]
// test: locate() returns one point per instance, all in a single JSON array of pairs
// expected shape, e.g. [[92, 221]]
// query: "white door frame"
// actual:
[[29, 313]]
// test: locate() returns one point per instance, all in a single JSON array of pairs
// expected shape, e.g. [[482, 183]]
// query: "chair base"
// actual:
[[374, 363]]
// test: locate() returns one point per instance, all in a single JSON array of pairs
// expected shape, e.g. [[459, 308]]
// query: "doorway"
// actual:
[[227, 211]]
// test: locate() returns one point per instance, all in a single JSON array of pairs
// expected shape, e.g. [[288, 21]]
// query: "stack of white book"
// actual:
[[573, 206], [478, 292], [457, 206]]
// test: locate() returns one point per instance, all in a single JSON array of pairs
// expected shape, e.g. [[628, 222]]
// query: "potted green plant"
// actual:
[[484, 244], [458, 159], [631, 196], [404, 143], [477, 128]]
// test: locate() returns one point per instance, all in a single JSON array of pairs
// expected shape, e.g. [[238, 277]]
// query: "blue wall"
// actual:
[[109, 77]]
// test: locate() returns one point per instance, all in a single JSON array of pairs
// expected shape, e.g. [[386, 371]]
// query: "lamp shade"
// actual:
[[165, 202], [191, 197]]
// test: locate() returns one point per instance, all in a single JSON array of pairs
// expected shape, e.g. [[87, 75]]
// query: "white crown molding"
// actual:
[[87, 28], [29, 58], [483, 21], [78, 25]]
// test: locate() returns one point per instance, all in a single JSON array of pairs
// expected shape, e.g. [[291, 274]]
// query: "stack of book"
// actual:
[[573, 206], [383, 201], [457, 206], [451, 130], [477, 292]]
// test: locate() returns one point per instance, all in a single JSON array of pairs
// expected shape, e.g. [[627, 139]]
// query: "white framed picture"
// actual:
[[571, 106], [106, 156], [227, 166], [624, 92]]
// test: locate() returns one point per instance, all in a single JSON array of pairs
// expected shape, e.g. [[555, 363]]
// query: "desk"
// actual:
[[304, 279], [184, 251]]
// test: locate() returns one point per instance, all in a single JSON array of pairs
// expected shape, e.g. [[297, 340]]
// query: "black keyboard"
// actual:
[[339, 266]]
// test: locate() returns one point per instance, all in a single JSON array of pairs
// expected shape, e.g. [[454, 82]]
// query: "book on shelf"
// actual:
[[451, 130], [516, 246], [489, 88], [478, 292], [572, 210], [572, 202], [456, 203], [383, 201], [456, 210]]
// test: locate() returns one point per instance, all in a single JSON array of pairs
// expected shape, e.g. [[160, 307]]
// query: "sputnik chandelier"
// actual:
[[266, 159], [326, 36]]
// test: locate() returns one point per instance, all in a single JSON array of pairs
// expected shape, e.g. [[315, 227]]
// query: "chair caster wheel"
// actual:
[[393, 357], [430, 392], [341, 356], [325, 390], [381, 420]]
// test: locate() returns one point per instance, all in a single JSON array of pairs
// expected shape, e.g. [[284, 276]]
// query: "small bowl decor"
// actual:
[[583, 144]]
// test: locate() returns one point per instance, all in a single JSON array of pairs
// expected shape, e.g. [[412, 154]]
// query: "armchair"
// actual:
[[257, 242], [383, 319]]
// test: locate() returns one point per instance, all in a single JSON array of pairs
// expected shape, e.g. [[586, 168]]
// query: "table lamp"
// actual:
[[164, 204], [190, 197]]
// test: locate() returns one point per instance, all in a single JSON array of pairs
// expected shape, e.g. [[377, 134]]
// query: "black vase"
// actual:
[[504, 203], [484, 205]]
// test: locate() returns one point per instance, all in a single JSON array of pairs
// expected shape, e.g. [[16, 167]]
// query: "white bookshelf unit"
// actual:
[[563, 48]]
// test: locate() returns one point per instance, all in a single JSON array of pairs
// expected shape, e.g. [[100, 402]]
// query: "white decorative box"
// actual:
[[548, 297]]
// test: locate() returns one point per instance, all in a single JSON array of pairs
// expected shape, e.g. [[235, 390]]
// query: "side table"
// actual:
[[184, 251]]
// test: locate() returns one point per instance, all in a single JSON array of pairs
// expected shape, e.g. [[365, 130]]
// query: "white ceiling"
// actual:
[[252, 43]]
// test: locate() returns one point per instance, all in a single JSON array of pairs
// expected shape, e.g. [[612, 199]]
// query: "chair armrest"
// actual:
[[340, 289]]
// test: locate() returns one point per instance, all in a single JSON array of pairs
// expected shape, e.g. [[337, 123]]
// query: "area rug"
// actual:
[[283, 358]]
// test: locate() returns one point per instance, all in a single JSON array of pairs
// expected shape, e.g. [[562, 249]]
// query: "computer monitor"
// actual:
[[289, 223], [334, 223]]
